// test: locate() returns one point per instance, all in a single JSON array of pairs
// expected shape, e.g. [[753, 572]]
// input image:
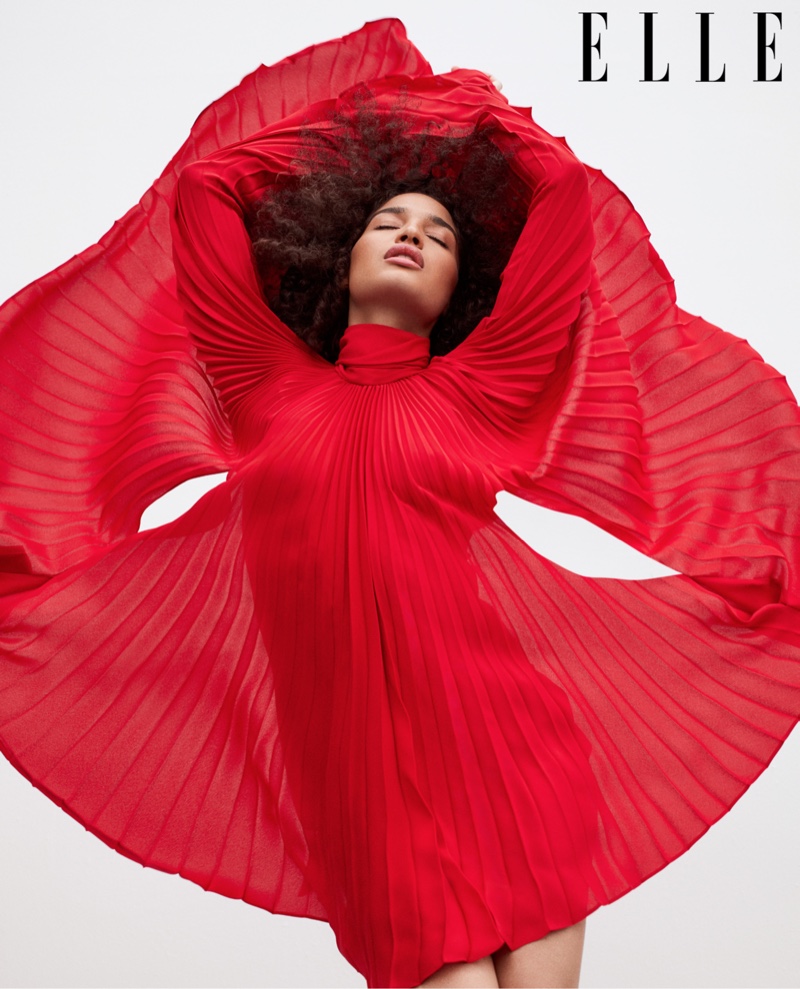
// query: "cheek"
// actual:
[[449, 278], [358, 260], [353, 260]]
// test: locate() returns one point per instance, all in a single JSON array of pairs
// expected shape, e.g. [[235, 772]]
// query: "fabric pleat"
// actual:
[[339, 686]]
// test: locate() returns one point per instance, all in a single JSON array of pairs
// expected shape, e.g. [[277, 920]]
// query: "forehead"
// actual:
[[418, 202]]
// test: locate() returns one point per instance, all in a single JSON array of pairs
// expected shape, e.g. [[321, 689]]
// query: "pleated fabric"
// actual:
[[339, 687]]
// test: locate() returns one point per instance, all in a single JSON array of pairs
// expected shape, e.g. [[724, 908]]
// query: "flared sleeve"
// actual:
[[595, 394], [652, 423], [513, 351], [238, 339], [105, 406]]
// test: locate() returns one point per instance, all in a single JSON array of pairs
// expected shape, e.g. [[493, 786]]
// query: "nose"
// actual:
[[410, 232]]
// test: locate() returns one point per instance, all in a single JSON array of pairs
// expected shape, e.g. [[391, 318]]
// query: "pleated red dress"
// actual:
[[339, 686]]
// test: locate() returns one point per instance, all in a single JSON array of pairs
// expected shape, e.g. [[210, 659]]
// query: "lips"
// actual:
[[406, 255]]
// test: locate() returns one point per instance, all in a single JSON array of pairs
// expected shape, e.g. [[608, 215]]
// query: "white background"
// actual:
[[95, 97]]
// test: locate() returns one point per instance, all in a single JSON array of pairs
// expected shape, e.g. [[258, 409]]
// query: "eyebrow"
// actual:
[[402, 209]]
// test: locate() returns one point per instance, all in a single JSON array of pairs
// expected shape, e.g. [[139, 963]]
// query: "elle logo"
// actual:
[[593, 37]]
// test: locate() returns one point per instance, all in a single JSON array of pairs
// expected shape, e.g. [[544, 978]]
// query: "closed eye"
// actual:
[[390, 226]]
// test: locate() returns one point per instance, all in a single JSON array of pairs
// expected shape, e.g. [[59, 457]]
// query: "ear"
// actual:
[[344, 282]]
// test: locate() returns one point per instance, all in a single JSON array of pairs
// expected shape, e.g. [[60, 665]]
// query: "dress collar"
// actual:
[[371, 353]]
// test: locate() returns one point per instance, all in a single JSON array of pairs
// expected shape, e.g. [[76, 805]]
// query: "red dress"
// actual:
[[339, 686]]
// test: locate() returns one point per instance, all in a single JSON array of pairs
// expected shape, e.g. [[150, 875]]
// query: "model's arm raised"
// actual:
[[237, 336], [514, 350]]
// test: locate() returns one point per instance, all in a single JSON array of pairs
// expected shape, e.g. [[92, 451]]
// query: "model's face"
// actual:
[[406, 259]]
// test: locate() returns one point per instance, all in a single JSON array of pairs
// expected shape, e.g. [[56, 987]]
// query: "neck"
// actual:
[[387, 316]]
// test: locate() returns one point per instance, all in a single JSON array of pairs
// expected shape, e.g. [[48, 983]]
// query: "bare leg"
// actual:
[[465, 975], [553, 962]]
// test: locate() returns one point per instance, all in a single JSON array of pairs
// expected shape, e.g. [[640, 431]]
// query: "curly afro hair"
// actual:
[[304, 228]]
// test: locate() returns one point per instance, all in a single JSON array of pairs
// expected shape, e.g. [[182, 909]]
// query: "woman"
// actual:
[[339, 687]]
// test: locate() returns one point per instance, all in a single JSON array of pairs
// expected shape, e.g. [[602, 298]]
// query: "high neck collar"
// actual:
[[372, 354]]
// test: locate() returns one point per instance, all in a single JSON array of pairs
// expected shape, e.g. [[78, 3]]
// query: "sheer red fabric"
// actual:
[[339, 686]]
